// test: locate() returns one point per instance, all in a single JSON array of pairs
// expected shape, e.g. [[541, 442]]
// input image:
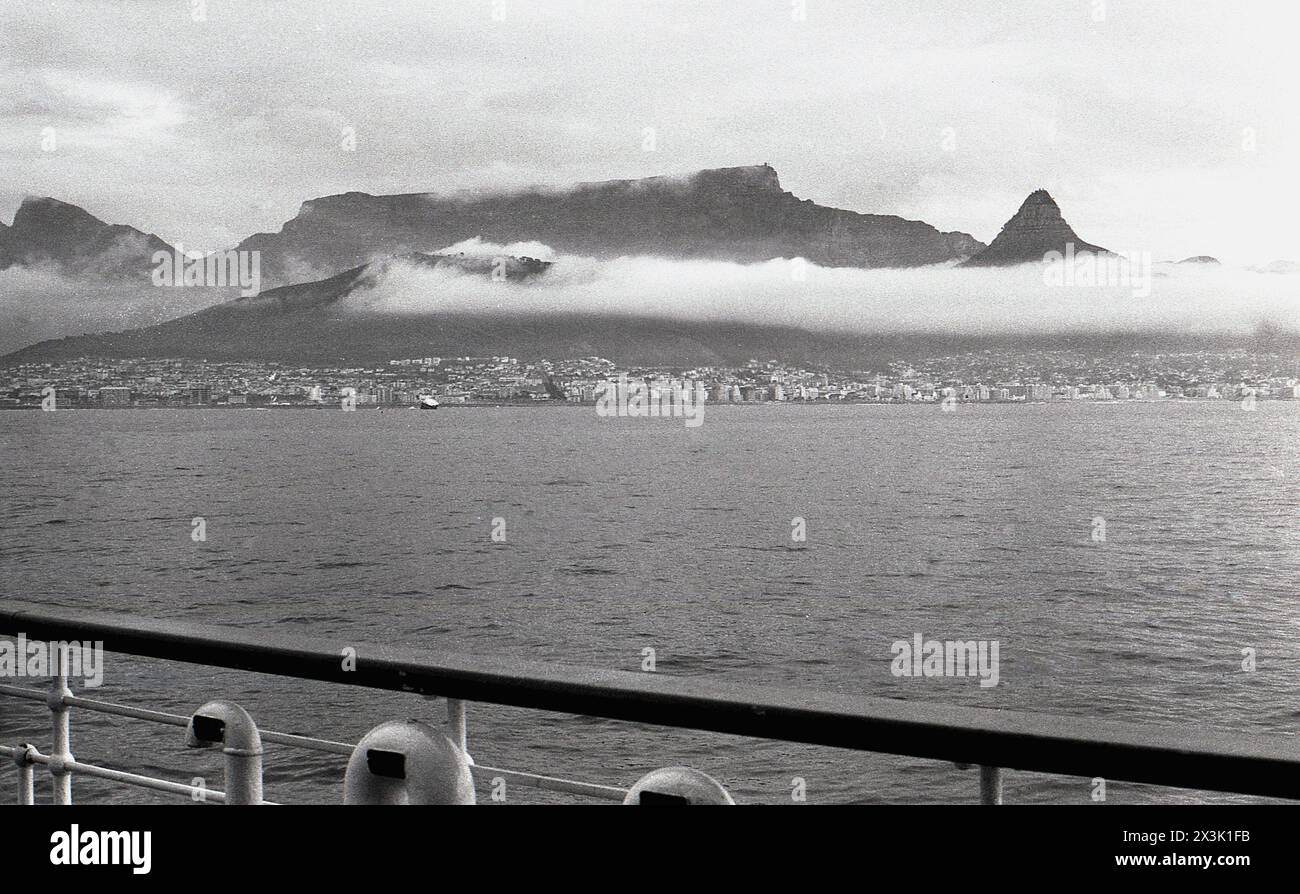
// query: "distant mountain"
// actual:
[[48, 233], [349, 320], [734, 214], [1035, 230], [1201, 259], [1279, 267], [306, 322], [334, 321]]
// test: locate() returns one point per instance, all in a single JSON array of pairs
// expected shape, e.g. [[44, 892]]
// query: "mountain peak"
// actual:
[[1035, 230], [47, 231], [42, 213], [762, 176], [1037, 210], [743, 178]]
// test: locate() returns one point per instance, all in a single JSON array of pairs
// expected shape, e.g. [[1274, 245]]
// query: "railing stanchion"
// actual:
[[456, 729], [225, 725], [60, 712], [990, 785], [26, 775]]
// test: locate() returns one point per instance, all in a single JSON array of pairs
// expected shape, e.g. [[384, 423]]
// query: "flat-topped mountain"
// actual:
[[733, 214], [1035, 230], [50, 233]]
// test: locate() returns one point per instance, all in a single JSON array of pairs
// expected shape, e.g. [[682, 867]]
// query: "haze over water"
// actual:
[[626, 534]]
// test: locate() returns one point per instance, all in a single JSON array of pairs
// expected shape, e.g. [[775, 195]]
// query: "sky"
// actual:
[[1162, 126]]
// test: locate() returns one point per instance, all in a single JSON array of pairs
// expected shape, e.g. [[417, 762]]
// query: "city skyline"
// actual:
[[979, 377]]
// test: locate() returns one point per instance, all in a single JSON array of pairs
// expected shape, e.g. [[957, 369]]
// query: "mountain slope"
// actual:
[[309, 322], [50, 233], [735, 214], [336, 322], [424, 305], [1035, 230]]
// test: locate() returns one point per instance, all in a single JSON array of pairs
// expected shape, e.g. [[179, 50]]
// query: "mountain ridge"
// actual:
[[58, 234], [738, 214], [1035, 230], [297, 320]]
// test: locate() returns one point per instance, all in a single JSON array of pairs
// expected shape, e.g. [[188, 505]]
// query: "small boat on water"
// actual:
[[428, 402]]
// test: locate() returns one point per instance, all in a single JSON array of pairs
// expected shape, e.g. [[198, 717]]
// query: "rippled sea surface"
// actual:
[[628, 534]]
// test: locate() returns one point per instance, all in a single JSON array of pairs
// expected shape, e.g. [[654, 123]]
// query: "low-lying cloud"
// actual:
[[477, 248], [37, 304], [41, 302], [945, 300]]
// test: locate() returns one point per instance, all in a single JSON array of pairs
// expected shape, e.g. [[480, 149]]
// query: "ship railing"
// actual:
[[994, 740]]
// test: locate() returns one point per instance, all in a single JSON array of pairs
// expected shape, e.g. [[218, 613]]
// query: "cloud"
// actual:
[[124, 110], [207, 131], [941, 300], [40, 303], [477, 248]]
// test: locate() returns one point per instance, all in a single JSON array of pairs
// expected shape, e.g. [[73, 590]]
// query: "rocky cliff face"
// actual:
[[1036, 229], [50, 233], [734, 214]]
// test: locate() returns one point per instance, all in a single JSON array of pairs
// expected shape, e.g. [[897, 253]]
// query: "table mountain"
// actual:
[[733, 214]]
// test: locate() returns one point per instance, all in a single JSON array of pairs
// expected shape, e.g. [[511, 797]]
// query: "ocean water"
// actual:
[[627, 534]]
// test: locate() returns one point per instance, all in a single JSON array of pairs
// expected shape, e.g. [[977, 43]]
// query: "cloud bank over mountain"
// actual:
[[780, 292], [40, 303], [476, 297]]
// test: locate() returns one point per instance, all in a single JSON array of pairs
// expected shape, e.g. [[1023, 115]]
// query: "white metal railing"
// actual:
[[62, 765], [1259, 764]]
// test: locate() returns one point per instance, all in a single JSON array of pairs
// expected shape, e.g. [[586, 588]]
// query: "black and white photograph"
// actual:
[[876, 404]]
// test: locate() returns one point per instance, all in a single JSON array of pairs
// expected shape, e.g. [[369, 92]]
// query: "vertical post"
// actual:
[[26, 776], [456, 730], [62, 728], [990, 785]]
